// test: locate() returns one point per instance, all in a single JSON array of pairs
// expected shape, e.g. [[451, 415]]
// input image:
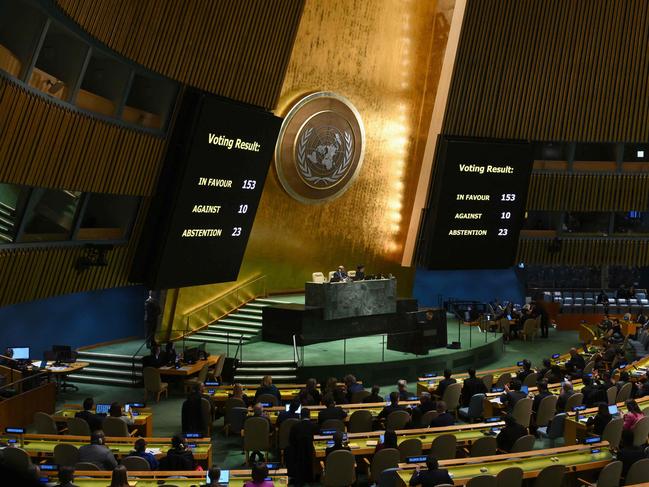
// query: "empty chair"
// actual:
[[334, 424], [554, 430], [410, 448], [115, 427], [546, 410], [510, 477], [200, 378], [234, 419], [523, 411], [475, 408], [611, 394], [44, 424], [136, 463], [86, 466], [360, 421], [624, 392], [318, 277], [488, 381], [641, 431], [358, 396], [284, 434], [552, 475], [397, 420], [588, 369], [256, 436], [214, 374], [609, 476], [66, 454], [529, 329], [382, 460], [233, 402], [153, 383], [78, 427], [206, 411], [266, 399], [613, 432], [16, 458], [524, 443], [444, 447], [389, 477], [484, 447], [530, 380], [503, 380], [638, 473], [482, 481], [451, 396], [574, 401], [428, 417], [340, 469]]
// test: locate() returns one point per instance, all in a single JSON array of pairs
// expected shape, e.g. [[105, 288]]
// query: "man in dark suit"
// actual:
[[155, 359], [542, 394], [360, 273], [444, 418], [331, 411], [340, 275], [375, 396], [525, 371], [567, 391], [392, 407], [291, 413], [433, 475], [472, 385], [592, 392], [576, 363], [512, 394], [511, 432], [94, 421], [445, 382], [98, 453]]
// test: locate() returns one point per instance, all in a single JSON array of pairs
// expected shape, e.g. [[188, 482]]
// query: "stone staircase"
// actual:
[[252, 371], [109, 369]]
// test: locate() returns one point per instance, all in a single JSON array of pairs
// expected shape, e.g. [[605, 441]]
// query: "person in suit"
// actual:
[[628, 454], [300, 452], [115, 411], [178, 456], [576, 363], [445, 382], [472, 385], [169, 355], [360, 273], [525, 371], [338, 438], [389, 441], [96, 452], [566, 392], [402, 388], [93, 420], [331, 411], [592, 392], [392, 407], [543, 392], [600, 420], [192, 420], [547, 365], [426, 403], [340, 275], [155, 358], [375, 396], [66, 476], [444, 418], [602, 298], [213, 476], [139, 450], [352, 386], [511, 432], [512, 394], [267, 387], [291, 413], [432, 476]]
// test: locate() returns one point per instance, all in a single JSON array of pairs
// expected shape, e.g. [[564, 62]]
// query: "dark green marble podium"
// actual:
[[352, 299]]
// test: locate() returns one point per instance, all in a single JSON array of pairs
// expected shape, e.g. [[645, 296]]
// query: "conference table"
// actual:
[[41, 447], [575, 458], [220, 394], [60, 372], [185, 370], [142, 420], [365, 443]]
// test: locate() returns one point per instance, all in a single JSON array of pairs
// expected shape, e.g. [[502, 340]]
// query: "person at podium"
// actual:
[[360, 273], [340, 275]]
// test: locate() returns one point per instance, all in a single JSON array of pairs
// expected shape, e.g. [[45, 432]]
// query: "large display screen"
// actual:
[[477, 204], [207, 199]]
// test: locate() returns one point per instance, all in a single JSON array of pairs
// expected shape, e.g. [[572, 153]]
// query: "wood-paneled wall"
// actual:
[[43, 143], [236, 48], [588, 192], [552, 70], [585, 252]]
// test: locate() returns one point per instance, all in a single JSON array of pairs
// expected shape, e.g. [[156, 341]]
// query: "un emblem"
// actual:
[[320, 148]]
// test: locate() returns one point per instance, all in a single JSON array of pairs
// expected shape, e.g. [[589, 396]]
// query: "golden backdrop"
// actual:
[[385, 56]]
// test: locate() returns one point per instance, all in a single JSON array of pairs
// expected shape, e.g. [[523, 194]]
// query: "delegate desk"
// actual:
[[42, 446], [365, 443], [374, 408], [220, 394], [94, 478], [185, 370], [142, 420], [574, 458]]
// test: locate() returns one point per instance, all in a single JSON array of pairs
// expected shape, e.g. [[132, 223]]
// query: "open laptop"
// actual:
[[102, 408], [224, 478]]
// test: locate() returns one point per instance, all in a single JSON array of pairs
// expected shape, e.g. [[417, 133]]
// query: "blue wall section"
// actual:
[[480, 285], [74, 319]]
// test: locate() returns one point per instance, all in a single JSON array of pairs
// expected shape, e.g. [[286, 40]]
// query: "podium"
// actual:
[[421, 334]]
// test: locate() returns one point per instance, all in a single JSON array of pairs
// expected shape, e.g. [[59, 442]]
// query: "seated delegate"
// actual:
[[433, 475], [98, 453]]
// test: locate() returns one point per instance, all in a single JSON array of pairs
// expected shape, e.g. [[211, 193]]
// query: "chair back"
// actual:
[[256, 433], [340, 469], [524, 443], [410, 448], [206, 411], [428, 417], [613, 432], [555, 430], [523, 411], [397, 420], [16, 459], [152, 381], [233, 402], [44, 424], [358, 396], [552, 475], [546, 410], [476, 406], [115, 427], [529, 328], [638, 473], [510, 477], [574, 400], [503, 379], [285, 431], [451, 396], [624, 392], [488, 381], [202, 374], [235, 418], [267, 398], [383, 459], [482, 481], [484, 447], [330, 275], [360, 421], [444, 447], [588, 369], [66, 454], [333, 424], [641, 431], [610, 475], [78, 427], [389, 477], [318, 277], [611, 394], [530, 380], [216, 372], [86, 466], [135, 463]]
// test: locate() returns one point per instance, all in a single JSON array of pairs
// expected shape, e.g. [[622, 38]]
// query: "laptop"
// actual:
[[298, 411], [102, 408], [525, 389], [612, 409], [224, 478]]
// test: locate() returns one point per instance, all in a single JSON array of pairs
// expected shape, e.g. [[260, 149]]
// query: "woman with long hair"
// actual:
[[120, 477]]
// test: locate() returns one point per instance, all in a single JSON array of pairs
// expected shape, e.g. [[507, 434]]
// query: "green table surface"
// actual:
[[46, 447], [234, 482]]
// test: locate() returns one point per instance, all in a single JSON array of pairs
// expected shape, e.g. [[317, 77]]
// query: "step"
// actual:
[[109, 356], [217, 333], [75, 378], [261, 363], [271, 301], [289, 379], [232, 341], [6, 209], [113, 363], [246, 309], [239, 321], [6, 221], [101, 370], [258, 305], [235, 330], [243, 315], [257, 370]]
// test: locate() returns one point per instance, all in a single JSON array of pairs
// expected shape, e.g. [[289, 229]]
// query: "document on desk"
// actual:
[[496, 400], [154, 451]]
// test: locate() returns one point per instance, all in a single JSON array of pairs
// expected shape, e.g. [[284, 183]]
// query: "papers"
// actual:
[[496, 400], [371, 442], [154, 451]]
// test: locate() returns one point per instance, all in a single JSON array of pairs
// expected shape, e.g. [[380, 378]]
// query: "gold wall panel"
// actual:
[[585, 252], [385, 57], [236, 48], [588, 192], [552, 70]]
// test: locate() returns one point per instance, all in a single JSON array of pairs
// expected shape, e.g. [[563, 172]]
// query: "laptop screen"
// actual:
[[224, 478], [102, 408], [612, 409], [524, 389], [21, 353]]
